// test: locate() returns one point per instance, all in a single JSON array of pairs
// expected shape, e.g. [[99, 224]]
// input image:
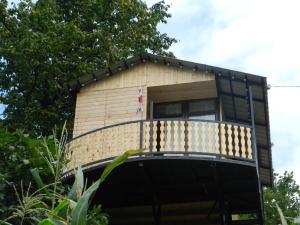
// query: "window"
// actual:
[[167, 110], [202, 109], [194, 109]]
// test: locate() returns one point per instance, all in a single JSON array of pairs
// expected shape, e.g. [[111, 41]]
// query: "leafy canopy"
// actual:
[[45, 44], [286, 194]]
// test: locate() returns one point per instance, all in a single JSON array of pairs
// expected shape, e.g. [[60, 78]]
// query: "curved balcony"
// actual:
[[170, 138]]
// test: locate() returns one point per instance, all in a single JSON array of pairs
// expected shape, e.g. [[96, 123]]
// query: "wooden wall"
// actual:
[[114, 99]]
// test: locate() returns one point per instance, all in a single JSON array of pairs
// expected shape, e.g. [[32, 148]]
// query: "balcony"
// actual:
[[209, 140]]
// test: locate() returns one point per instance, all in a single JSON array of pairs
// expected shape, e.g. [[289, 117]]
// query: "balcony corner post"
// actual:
[[141, 134], [254, 146]]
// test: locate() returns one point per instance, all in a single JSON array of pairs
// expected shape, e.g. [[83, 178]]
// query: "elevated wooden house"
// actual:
[[205, 131]]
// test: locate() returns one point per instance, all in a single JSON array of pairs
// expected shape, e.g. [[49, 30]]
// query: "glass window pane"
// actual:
[[201, 106], [168, 109], [204, 117]]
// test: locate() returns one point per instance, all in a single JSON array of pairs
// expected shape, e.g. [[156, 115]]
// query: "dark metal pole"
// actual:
[[141, 134], [151, 127], [254, 146]]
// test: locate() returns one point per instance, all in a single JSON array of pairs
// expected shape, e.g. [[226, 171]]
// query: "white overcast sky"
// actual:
[[255, 36]]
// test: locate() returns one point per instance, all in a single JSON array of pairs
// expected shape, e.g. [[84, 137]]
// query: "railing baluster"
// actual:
[[249, 143], [151, 139], [229, 139], [216, 138], [172, 136], [186, 136], [237, 141], [233, 134], [203, 137], [191, 136], [210, 136], [162, 135], [196, 130], [243, 142]]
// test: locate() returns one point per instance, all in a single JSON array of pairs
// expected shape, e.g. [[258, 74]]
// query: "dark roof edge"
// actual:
[[76, 84]]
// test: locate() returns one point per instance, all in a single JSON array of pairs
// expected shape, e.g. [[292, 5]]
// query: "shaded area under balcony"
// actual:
[[167, 190]]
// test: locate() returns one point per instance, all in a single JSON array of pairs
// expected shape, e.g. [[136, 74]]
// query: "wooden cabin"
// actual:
[[205, 131]]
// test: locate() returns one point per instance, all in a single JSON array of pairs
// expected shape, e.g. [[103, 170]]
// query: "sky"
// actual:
[[255, 36]]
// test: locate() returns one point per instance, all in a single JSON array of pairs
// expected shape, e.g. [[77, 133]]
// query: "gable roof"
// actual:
[[233, 91], [77, 84]]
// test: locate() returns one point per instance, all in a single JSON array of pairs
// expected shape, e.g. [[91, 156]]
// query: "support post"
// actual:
[[254, 146], [141, 135], [151, 127]]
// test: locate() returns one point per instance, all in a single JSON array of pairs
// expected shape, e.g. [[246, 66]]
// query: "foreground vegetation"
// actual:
[[40, 201]]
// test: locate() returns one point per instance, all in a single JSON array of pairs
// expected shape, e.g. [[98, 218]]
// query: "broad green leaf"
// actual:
[[37, 178], [79, 214], [282, 218], [72, 204], [60, 209], [5, 223], [118, 161], [47, 221], [78, 185]]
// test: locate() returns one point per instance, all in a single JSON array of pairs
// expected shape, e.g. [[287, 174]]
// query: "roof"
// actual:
[[233, 90], [82, 81]]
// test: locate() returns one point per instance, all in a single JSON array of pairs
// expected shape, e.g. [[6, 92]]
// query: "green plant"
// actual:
[[97, 217], [31, 206], [286, 194], [18, 153], [282, 218], [56, 160], [73, 208], [51, 199]]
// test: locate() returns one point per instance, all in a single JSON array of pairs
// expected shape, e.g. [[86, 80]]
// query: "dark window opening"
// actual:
[[193, 109]]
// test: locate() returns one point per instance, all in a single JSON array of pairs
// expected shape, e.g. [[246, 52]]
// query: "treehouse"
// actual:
[[205, 134]]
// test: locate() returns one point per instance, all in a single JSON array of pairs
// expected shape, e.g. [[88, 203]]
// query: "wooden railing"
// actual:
[[190, 137]]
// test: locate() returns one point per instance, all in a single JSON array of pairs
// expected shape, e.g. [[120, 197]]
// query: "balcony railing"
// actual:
[[163, 137]]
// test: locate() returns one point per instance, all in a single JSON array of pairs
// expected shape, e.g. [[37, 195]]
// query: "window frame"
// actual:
[[185, 111]]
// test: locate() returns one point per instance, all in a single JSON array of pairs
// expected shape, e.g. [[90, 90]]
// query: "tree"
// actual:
[[286, 194], [48, 43]]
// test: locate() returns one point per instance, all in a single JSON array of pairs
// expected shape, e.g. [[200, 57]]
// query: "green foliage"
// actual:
[[18, 153], [76, 212], [30, 207], [97, 217], [45, 44], [285, 194], [51, 200]]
